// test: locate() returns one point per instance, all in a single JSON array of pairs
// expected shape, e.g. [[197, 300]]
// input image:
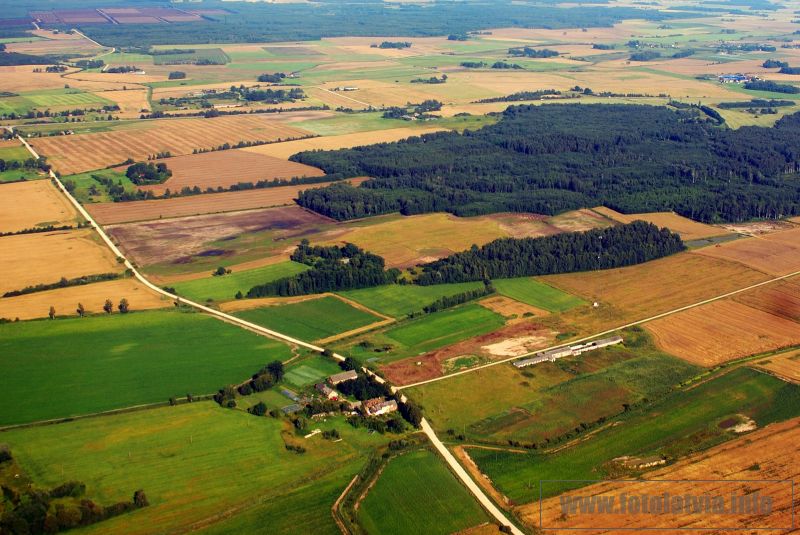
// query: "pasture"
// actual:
[[194, 461], [728, 461], [224, 288], [536, 293], [86, 152], [686, 421], [312, 319], [688, 229], [46, 257], [91, 296], [417, 494], [32, 204], [68, 367], [721, 331], [398, 300], [223, 169], [88, 189]]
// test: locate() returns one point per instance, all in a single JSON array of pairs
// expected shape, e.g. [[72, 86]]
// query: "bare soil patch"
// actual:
[[510, 308]]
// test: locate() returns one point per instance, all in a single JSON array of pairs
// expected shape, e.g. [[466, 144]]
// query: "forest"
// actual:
[[621, 245], [628, 157], [333, 268]]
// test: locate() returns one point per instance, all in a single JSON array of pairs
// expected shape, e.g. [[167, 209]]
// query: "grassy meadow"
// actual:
[[400, 300], [417, 494], [536, 293], [684, 422], [68, 367], [313, 319], [224, 288]]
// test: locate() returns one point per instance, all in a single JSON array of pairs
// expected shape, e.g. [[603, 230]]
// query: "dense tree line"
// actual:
[[645, 55], [333, 268], [528, 52], [549, 159], [768, 85], [523, 95], [148, 173], [755, 103], [364, 388], [506, 65], [274, 78], [617, 246], [449, 301], [393, 44], [63, 283]]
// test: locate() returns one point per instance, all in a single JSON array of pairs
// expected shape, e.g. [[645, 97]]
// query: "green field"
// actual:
[[684, 422], [310, 371], [74, 98], [194, 462], [19, 174], [66, 367], [214, 55], [399, 300], [310, 320], [417, 494], [536, 293], [224, 288], [14, 154], [85, 181]]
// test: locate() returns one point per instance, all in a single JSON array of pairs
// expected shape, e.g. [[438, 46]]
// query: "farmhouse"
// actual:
[[734, 78], [568, 351], [326, 391], [337, 378], [378, 406]]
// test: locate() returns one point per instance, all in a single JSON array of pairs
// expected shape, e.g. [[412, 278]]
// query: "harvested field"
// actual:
[[636, 292], [509, 308], [688, 229], [91, 296], [722, 331], [785, 365], [777, 253], [21, 78], [76, 154], [780, 299], [226, 168], [32, 204], [745, 458], [180, 239], [131, 101], [30, 259], [209, 203], [345, 141]]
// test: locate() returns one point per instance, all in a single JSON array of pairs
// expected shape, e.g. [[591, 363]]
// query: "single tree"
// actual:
[[123, 306], [108, 306], [80, 310], [52, 312], [140, 499]]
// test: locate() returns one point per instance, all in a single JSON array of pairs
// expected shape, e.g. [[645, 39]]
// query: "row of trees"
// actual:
[[612, 247], [449, 301], [108, 307], [549, 159], [333, 268]]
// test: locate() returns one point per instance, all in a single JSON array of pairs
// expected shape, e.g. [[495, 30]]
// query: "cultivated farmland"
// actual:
[[777, 253], [44, 258], [784, 365], [226, 168], [780, 299], [91, 296], [224, 288], [400, 300], [536, 293], [717, 332], [37, 203], [99, 363], [688, 229], [85, 152], [417, 494], [738, 459]]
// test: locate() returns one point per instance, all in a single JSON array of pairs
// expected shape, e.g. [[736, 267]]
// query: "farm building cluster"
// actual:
[[370, 407], [568, 351], [737, 78]]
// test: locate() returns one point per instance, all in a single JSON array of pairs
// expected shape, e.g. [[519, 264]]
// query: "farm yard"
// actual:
[[721, 331], [85, 152], [32, 204], [729, 461], [100, 363]]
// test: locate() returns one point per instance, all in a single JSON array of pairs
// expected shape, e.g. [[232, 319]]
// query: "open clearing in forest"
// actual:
[[226, 168], [183, 458], [413, 480], [687, 421], [85, 152], [68, 367], [688, 229], [311, 319], [721, 331], [46, 257], [224, 288], [740, 459], [206, 203], [777, 253], [91, 296], [37, 203]]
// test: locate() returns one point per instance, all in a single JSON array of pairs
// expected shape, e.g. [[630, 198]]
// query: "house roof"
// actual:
[[342, 377]]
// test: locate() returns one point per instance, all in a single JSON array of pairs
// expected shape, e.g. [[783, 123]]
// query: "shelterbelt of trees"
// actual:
[[617, 246], [549, 159]]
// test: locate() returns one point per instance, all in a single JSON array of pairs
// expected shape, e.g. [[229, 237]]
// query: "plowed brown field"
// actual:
[[211, 203], [30, 259], [770, 453], [80, 153], [721, 331], [780, 299], [36, 203], [91, 296], [228, 167], [777, 253]]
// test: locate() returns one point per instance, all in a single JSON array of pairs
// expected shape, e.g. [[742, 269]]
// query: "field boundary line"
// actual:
[[608, 331], [337, 93]]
